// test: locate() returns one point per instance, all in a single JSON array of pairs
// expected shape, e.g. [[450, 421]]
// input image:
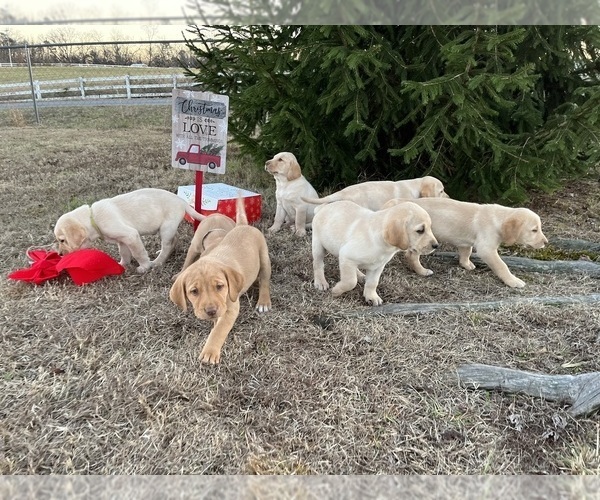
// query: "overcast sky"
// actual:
[[69, 11], [38, 10], [100, 33]]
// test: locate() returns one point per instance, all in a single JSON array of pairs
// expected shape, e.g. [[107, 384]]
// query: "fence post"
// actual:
[[128, 86], [82, 87], [35, 109]]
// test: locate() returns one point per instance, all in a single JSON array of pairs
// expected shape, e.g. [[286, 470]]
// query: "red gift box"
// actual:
[[220, 198]]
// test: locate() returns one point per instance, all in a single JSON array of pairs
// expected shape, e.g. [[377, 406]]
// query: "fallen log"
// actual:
[[532, 265], [422, 308], [582, 392], [577, 245]]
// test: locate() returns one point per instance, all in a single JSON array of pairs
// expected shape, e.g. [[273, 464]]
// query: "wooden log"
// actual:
[[582, 392], [422, 308], [532, 265], [577, 245]]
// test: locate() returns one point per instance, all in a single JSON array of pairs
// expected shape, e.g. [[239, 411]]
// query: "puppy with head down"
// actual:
[[366, 240], [214, 283], [209, 233], [374, 194], [124, 219], [483, 227], [291, 186]]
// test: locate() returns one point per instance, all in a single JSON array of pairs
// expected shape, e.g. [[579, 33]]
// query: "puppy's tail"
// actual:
[[319, 201], [192, 212], [240, 211]]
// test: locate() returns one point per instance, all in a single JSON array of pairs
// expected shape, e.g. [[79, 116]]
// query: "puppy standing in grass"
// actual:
[[364, 239], [123, 220], [291, 186], [485, 227], [214, 283], [374, 194]]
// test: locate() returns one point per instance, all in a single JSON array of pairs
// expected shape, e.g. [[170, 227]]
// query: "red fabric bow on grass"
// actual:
[[84, 266]]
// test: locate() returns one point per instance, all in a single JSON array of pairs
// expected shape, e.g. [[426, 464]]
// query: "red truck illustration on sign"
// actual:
[[206, 156]]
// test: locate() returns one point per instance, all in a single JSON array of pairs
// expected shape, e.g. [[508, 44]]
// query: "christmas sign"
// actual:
[[199, 131]]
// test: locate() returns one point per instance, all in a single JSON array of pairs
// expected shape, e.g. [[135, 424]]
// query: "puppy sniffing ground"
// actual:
[[124, 219]]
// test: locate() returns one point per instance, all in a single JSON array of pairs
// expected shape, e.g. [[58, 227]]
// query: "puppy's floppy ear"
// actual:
[[395, 233], [510, 229], [235, 283], [294, 171], [177, 292], [79, 236], [427, 189], [74, 233]]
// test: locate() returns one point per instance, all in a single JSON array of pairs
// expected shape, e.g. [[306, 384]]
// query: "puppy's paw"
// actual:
[[144, 268], [425, 272], [263, 308], [469, 266], [300, 233], [340, 288], [321, 285], [210, 355], [374, 300], [273, 229], [515, 282]]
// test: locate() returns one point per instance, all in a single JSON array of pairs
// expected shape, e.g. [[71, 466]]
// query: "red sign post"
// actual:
[[198, 195]]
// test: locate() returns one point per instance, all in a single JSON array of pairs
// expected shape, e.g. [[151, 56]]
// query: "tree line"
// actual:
[[60, 47]]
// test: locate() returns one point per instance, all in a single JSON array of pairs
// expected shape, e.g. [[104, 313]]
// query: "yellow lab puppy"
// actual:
[[214, 283], [210, 232], [367, 240], [124, 219], [291, 185], [374, 194], [485, 227]]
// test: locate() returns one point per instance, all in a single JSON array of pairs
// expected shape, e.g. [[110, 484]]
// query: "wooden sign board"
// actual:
[[199, 131]]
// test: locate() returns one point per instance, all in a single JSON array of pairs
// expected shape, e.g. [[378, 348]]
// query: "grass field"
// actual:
[[105, 378], [21, 74], [90, 118]]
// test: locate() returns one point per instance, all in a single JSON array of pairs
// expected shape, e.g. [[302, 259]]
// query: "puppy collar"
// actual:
[[94, 225]]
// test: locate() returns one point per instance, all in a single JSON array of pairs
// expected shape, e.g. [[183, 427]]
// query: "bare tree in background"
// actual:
[[10, 56], [63, 52], [151, 31], [122, 54]]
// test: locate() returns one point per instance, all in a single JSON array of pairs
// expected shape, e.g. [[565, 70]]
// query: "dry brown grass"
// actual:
[[105, 378]]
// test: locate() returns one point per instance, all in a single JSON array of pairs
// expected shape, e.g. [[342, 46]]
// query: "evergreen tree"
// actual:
[[491, 12], [491, 110]]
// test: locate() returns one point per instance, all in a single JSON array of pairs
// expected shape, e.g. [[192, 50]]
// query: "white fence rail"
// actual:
[[123, 87]]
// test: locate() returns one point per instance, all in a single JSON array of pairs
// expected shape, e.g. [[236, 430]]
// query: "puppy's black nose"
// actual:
[[210, 311], [435, 245]]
